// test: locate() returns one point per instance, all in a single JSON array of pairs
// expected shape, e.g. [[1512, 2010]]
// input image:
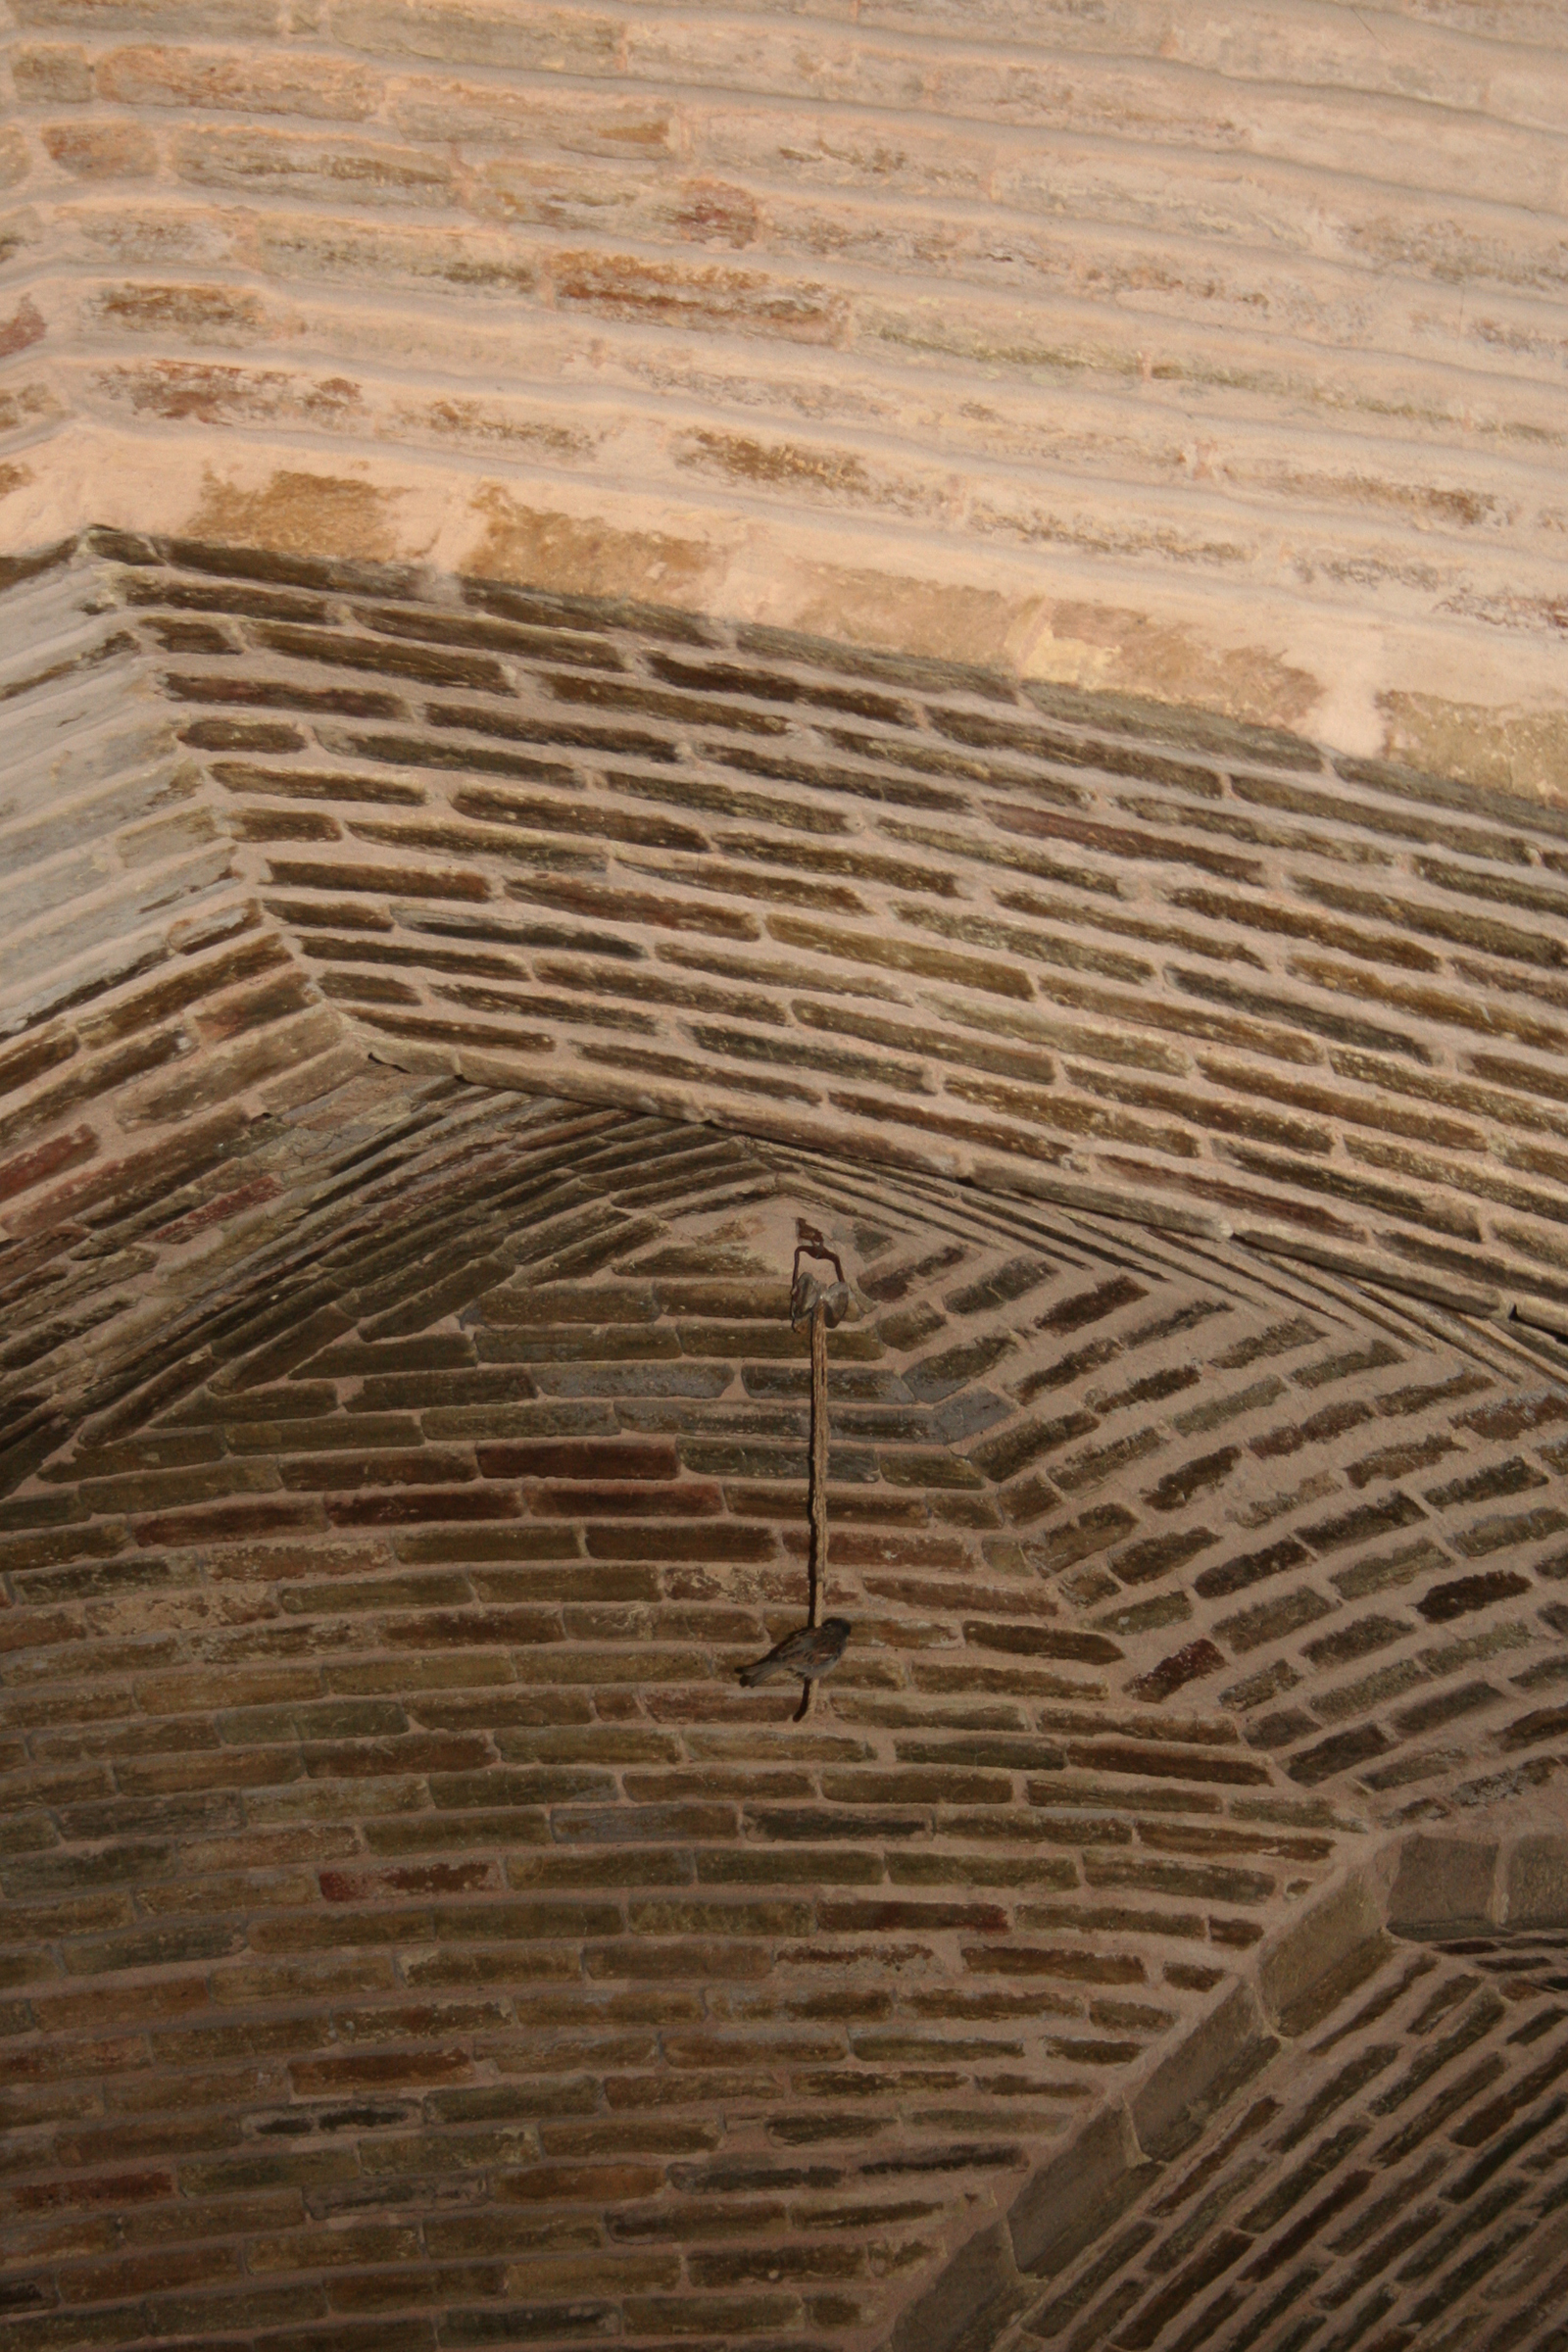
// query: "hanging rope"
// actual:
[[824, 1307], [819, 1485], [817, 1499]]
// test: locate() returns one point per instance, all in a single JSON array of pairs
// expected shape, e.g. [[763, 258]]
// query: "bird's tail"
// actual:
[[762, 1672]]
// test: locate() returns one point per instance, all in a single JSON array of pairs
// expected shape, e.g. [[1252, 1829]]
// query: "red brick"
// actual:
[[582, 1459], [686, 1501]]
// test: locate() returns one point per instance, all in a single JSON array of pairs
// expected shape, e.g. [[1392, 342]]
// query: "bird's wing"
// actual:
[[763, 1670]]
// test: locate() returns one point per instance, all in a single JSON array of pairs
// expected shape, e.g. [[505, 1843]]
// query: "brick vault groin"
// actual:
[[429, 1006]]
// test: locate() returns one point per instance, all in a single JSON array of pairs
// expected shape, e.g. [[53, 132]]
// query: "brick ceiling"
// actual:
[[411, 1933], [616, 628], [1067, 948], [429, 1009]]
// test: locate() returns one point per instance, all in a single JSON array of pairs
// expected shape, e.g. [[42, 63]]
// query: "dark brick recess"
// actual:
[[411, 1927]]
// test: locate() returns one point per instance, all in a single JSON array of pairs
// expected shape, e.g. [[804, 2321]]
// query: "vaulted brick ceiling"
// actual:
[[620, 630], [431, 1007]]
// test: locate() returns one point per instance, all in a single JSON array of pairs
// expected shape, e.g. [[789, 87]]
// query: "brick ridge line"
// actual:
[[1293, 1982]]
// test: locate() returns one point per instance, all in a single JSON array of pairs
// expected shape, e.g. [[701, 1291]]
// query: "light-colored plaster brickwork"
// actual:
[[1215, 356]]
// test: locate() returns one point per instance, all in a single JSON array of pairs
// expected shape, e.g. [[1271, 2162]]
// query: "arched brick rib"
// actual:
[[1369, 2145]]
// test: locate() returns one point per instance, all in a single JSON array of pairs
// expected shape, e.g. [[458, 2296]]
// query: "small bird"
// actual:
[[810, 1652]]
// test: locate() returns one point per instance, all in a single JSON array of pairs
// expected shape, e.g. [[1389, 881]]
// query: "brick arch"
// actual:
[[1361, 2137], [396, 1822], [905, 911], [618, 624]]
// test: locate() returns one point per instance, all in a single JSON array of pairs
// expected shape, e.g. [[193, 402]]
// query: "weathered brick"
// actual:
[[1340, 1754], [1443, 1880]]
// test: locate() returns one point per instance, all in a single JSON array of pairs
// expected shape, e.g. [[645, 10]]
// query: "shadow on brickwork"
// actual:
[[415, 1933]]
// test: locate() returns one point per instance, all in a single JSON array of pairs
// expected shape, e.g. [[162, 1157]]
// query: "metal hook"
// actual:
[[807, 1294]]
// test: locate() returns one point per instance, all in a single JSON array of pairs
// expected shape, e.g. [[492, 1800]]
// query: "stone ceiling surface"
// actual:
[[1212, 355]]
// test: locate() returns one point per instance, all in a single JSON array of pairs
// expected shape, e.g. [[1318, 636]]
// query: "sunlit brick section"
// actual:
[[1213, 359]]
